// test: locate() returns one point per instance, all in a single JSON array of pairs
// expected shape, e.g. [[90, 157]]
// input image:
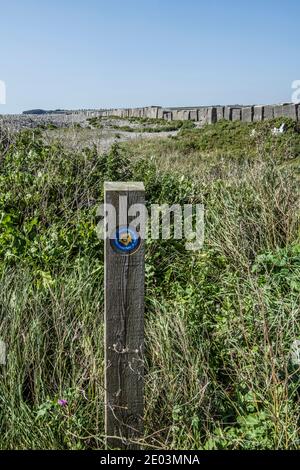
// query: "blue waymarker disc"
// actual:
[[125, 241]]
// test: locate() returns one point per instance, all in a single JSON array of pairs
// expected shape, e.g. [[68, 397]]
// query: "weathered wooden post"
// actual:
[[2, 353], [124, 321]]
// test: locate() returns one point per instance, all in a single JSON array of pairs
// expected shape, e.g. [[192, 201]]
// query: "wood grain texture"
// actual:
[[124, 334]]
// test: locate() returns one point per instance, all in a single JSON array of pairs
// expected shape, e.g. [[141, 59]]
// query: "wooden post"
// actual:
[[124, 330]]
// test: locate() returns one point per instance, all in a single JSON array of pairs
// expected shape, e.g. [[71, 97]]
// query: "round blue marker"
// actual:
[[125, 241]]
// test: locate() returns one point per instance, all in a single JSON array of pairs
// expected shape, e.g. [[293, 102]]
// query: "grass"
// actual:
[[219, 323]]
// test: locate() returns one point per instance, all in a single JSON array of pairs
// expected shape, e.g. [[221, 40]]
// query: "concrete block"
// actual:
[[175, 114], [167, 115], [290, 110], [146, 112], [286, 110], [180, 114], [236, 114], [258, 113], [247, 114], [228, 113], [268, 112], [160, 113], [211, 115], [202, 115], [207, 115], [156, 111], [186, 114], [220, 113], [151, 112], [193, 115], [278, 111]]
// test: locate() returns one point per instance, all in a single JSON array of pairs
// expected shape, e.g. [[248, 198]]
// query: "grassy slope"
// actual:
[[219, 322]]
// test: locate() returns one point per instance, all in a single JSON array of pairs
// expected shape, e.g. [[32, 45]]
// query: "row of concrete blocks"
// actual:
[[211, 114]]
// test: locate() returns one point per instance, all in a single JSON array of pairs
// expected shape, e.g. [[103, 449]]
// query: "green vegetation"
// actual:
[[244, 138], [219, 322], [146, 124], [47, 126]]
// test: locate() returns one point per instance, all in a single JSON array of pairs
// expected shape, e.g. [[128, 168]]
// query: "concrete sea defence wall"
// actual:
[[200, 114], [209, 114]]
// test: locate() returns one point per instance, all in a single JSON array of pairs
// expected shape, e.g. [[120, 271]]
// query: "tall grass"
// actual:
[[219, 323]]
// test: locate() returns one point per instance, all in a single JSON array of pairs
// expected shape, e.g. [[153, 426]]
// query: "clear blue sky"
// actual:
[[114, 53]]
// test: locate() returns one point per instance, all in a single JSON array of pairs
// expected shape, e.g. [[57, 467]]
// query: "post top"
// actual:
[[124, 186]]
